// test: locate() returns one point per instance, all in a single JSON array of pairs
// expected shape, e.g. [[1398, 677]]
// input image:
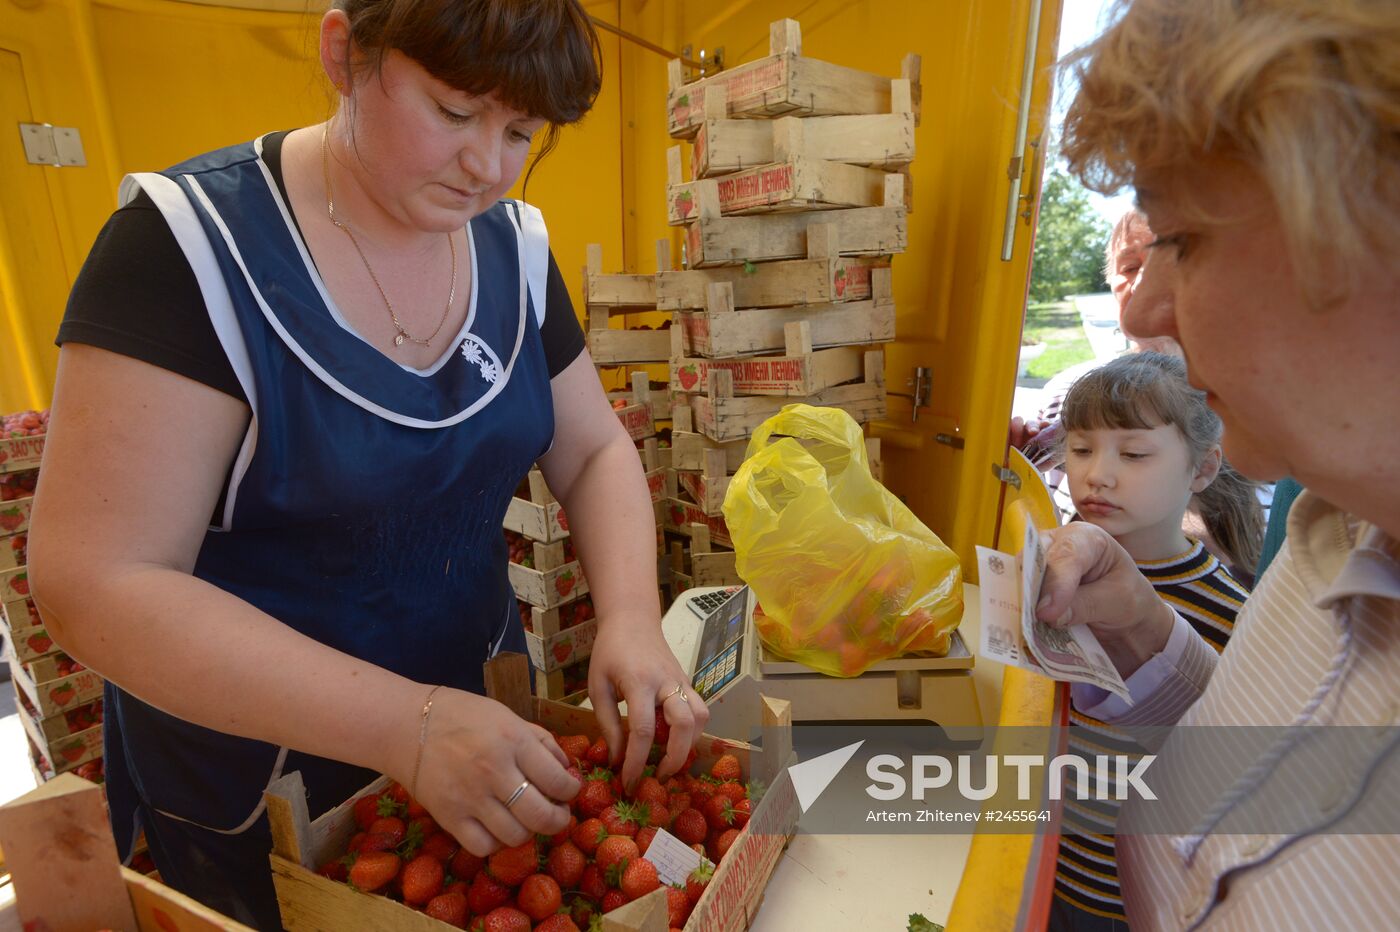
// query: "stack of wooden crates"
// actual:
[[59, 702], [797, 198]]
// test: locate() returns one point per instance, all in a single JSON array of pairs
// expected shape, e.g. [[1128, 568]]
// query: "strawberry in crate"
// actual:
[[25, 424], [558, 883]]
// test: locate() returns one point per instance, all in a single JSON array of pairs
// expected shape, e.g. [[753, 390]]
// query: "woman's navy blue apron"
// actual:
[[363, 510]]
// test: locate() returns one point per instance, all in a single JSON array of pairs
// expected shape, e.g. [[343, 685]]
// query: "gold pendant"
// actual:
[[398, 339]]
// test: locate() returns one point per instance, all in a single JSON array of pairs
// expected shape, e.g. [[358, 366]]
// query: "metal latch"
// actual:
[[1004, 474], [46, 144], [922, 383]]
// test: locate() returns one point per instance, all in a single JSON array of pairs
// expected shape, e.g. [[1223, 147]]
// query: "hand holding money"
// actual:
[[1091, 580]]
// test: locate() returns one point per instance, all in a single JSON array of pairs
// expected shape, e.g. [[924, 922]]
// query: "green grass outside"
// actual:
[[1058, 326]]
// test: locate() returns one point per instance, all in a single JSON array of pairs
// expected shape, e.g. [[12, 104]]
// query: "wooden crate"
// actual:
[[554, 651], [783, 82], [797, 183], [13, 548], [877, 140], [627, 290], [771, 284], [720, 334], [619, 346], [20, 453], [62, 857], [660, 398], [549, 587], [720, 415], [64, 751], [49, 693], [799, 372], [312, 903], [14, 515], [540, 517], [681, 518], [694, 563], [638, 417], [562, 684], [30, 642], [689, 449], [19, 612], [861, 231]]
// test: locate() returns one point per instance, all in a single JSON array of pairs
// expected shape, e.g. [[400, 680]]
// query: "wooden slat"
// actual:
[[721, 416], [547, 588], [800, 183], [839, 279], [722, 335], [883, 140], [616, 347], [786, 376], [861, 231]]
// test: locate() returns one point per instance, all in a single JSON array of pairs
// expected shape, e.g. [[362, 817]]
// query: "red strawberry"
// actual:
[[505, 919], [595, 796], [690, 826], [559, 922], [378, 841], [563, 651], [486, 893], [416, 810], [62, 695], [335, 870], [733, 789], [677, 907], [391, 826], [721, 845], [616, 851], [587, 834], [613, 899], [598, 753], [366, 810], [512, 865], [719, 812], [644, 837], [10, 519], [582, 909], [592, 884], [71, 752], [698, 880], [620, 819], [564, 583], [742, 810], [574, 747], [563, 521], [566, 863], [726, 769], [427, 826], [539, 896], [465, 865], [688, 376], [40, 642], [654, 814], [685, 203], [639, 878], [677, 515], [450, 908], [650, 790], [20, 584], [373, 870], [441, 846], [398, 793], [680, 802], [422, 879]]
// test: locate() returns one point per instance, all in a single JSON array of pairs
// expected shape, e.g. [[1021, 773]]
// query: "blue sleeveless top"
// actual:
[[364, 507]]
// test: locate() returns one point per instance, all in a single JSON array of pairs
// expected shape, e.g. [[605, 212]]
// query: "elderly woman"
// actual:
[[1263, 137]]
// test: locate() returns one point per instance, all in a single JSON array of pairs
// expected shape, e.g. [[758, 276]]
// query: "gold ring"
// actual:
[[679, 689], [519, 792]]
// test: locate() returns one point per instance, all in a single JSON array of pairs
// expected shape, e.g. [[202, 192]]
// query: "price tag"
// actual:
[[674, 859]]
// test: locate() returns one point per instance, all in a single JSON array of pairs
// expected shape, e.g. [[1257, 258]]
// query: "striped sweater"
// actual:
[[1203, 592]]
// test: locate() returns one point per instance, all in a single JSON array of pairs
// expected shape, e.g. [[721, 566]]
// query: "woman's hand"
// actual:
[[1091, 580], [632, 661], [475, 754]]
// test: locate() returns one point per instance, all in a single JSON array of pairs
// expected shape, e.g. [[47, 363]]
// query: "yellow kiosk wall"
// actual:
[[150, 82]]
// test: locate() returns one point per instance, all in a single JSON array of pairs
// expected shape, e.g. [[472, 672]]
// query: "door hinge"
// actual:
[[46, 144]]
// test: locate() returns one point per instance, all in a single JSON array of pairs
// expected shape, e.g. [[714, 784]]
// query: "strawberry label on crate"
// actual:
[[656, 484], [680, 515], [14, 516], [636, 420], [757, 187], [763, 374], [739, 87], [14, 584], [21, 452]]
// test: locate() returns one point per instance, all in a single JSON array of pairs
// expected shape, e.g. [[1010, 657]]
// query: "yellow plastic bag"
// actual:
[[844, 572]]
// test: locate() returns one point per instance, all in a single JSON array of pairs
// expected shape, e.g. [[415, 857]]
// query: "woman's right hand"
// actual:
[[1090, 579], [475, 754]]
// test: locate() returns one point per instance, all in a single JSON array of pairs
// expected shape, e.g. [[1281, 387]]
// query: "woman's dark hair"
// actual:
[[1140, 391], [540, 57]]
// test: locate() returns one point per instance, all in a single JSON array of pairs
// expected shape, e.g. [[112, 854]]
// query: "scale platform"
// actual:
[[730, 667]]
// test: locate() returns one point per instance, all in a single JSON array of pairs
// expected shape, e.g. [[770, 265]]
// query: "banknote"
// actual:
[[1011, 634]]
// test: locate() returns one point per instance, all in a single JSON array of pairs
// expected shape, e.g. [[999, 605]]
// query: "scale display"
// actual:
[[721, 644]]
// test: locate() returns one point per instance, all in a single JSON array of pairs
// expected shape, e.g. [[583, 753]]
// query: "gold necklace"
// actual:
[[402, 335]]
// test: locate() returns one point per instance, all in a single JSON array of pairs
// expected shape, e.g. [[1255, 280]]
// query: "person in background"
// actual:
[[300, 380], [1263, 137], [1139, 444]]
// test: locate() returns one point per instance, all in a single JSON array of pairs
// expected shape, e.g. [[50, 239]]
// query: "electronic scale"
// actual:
[[730, 667]]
